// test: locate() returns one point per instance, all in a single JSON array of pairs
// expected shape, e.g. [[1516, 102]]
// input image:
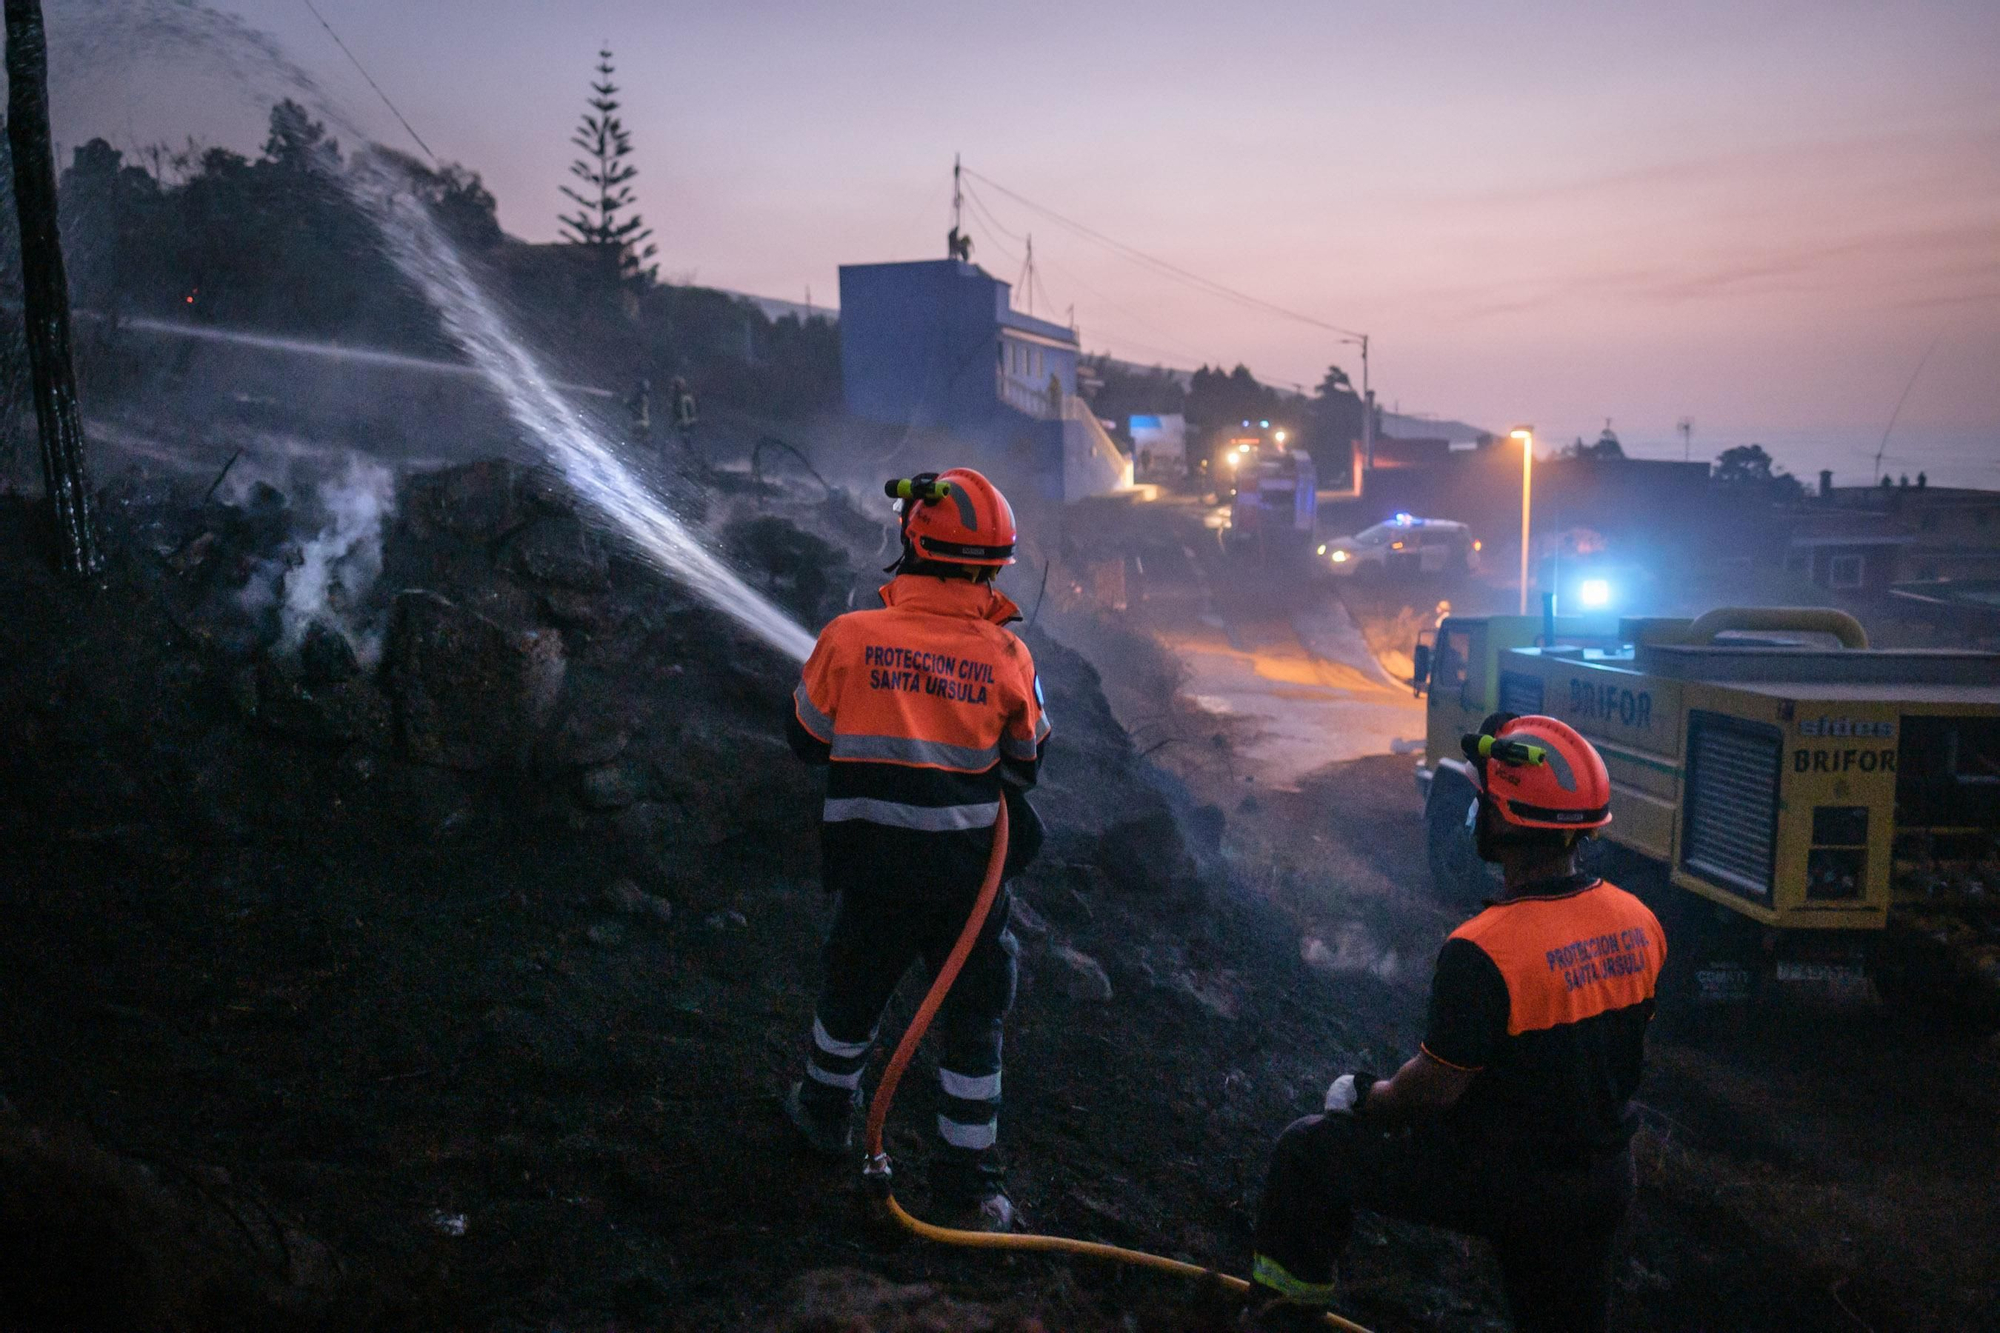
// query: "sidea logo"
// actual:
[[1845, 727]]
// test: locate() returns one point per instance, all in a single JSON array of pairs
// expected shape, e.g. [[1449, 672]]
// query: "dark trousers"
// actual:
[[877, 933], [1551, 1221]]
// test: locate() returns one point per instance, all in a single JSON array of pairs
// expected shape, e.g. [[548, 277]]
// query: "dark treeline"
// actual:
[[270, 244], [1215, 400]]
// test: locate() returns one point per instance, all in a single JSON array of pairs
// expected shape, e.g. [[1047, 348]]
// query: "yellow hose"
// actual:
[[982, 1240], [876, 1169]]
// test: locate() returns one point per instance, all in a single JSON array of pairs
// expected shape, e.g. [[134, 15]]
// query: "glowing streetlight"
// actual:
[[1526, 436]]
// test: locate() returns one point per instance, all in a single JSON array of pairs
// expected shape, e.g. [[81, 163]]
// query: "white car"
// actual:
[[1404, 545]]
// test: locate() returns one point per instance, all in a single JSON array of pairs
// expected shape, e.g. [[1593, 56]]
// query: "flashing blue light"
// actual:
[[1265, 424], [1594, 593], [1405, 520], [1246, 422]]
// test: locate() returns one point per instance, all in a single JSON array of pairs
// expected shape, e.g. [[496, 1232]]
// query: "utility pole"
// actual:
[[1686, 427], [958, 245], [1027, 283], [1367, 412], [1367, 404], [1526, 435], [45, 291]]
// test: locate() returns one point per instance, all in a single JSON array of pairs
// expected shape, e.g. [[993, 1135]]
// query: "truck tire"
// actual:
[[1462, 879]]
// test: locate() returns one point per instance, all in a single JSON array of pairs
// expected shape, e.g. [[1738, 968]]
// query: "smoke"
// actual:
[[339, 567], [1353, 950], [327, 577], [102, 40]]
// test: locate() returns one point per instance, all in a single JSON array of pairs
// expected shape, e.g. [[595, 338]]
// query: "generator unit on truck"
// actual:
[[1808, 808]]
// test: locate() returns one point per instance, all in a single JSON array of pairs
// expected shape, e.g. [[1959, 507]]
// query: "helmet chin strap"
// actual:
[[1491, 845], [905, 509]]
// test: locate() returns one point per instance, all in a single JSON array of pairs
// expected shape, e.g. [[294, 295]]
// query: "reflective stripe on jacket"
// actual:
[[919, 704]]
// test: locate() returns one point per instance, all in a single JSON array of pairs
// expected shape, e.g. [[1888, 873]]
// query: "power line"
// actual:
[[986, 234], [1178, 352], [1883, 447], [990, 222], [1186, 349], [371, 82], [1204, 284], [987, 213]]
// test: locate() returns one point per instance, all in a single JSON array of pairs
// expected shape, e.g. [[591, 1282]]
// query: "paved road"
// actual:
[[1262, 646]]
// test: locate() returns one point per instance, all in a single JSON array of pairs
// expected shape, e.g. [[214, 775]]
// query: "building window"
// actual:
[[1844, 571]]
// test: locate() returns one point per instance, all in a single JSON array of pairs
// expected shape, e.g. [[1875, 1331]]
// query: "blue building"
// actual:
[[937, 345]]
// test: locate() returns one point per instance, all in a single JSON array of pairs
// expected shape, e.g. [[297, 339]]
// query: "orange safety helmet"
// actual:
[[956, 517], [1540, 773]]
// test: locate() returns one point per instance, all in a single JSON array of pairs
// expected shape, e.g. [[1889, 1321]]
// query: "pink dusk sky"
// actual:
[[1760, 216]]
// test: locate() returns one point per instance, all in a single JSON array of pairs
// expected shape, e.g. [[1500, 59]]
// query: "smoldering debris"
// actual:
[[338, 567]]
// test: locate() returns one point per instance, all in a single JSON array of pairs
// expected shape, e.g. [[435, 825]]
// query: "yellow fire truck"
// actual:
[[1806, 807]]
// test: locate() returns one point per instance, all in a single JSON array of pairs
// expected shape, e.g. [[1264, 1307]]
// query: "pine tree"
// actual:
[[607, 176]]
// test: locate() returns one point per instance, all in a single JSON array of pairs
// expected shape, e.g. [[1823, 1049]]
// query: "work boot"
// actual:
[[1279, 1302], [993, 1214], [831, 1136]]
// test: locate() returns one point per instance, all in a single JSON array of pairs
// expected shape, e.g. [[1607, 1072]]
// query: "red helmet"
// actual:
[[956, 517], [1540, 773]]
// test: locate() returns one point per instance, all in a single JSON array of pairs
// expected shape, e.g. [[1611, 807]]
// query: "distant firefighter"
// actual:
[[640, 407], [685, 416]]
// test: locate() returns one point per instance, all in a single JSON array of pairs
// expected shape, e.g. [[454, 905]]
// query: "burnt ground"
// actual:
[[456, 992]]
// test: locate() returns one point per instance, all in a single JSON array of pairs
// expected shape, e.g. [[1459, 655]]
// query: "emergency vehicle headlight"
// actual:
[[1340, 557], [1594, 593], [1322, 550]]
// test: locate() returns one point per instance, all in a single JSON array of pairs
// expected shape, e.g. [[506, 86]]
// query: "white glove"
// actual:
[[1341, 1097]]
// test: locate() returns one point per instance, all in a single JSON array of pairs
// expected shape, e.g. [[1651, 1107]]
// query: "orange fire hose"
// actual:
[[876, 1167]]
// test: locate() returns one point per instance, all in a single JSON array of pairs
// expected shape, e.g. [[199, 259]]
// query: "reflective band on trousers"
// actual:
[[833, 1080], [980, 1088], [974, 1137], [922, 818], [909, 750], [846, 1050], [1268, 1272]]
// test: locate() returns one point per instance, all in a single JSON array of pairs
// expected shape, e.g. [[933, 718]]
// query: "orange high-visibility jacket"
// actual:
[[1546, 995], [919, 703]]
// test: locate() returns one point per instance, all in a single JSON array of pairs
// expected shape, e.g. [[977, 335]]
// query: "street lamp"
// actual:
[[1526, 436]]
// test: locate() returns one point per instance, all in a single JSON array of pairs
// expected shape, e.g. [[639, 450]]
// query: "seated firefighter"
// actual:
[[1513, 1122], [928, 714]]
